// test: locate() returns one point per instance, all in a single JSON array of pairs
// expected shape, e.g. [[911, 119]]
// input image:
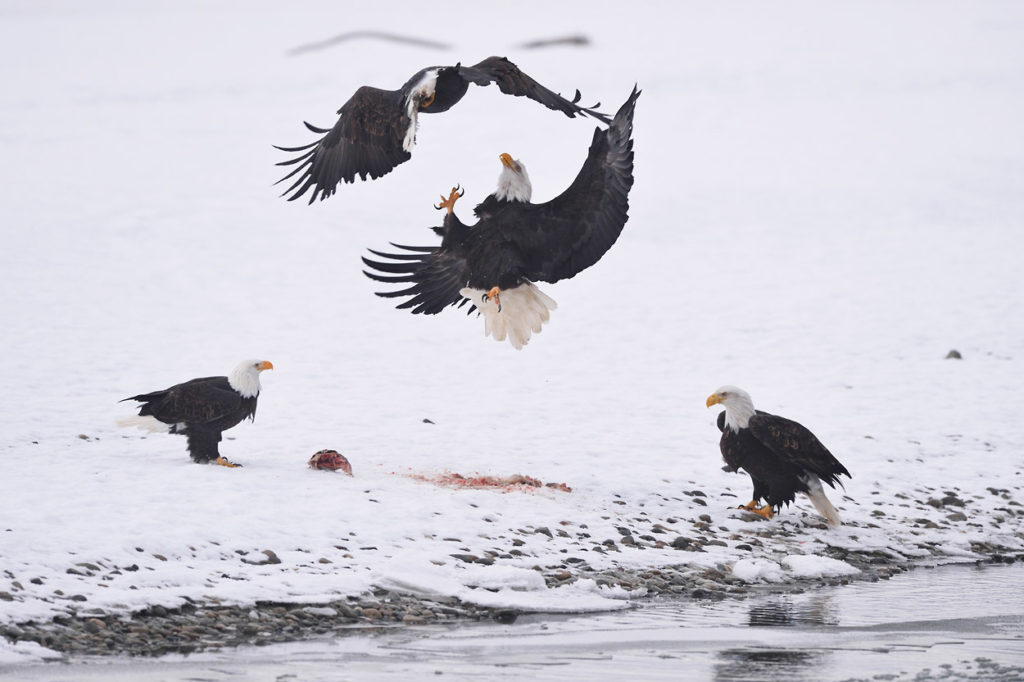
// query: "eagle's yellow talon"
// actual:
[[227, 463], [449, 202], [493, 294]]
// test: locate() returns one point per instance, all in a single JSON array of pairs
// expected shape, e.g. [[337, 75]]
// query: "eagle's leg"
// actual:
[[226, 463], [494, 294], [765, 511], [449, 203], [750, 506]]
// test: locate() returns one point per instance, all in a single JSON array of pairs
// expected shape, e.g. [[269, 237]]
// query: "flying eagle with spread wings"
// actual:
[[376, 128], [494, 263]]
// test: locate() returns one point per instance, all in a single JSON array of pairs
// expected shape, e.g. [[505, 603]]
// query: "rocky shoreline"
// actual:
[[195, 627]]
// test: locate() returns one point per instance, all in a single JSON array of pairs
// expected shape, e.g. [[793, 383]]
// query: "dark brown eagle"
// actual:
[[376, 128], [782, 457], [200, 409], [494, 263]]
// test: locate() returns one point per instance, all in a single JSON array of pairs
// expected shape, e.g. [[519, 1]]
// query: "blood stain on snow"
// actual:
[[515, 482]]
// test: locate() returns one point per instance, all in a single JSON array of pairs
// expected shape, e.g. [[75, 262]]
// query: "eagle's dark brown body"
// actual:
[[777, 453], [200, 409], [514, 242]]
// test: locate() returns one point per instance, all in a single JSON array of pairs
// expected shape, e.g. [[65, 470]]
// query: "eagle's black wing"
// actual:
[[435, 274], [511, 81], [196, 401], [558, 239], [366, 141], [795, 444]]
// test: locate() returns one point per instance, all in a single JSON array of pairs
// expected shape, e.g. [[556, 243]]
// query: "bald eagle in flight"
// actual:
[[782, 457], [200, 409], [376, 128], [494, 263]]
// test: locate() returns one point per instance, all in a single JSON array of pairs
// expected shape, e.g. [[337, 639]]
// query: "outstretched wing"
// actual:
[[366, 141], [795, 444], [560, 238], [435, 274], [511, 81]]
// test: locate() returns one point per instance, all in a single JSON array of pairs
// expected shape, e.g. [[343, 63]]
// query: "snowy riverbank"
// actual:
[[215, 595], [828, 199]]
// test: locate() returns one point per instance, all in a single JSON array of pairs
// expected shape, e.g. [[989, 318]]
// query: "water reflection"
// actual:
[[787, 611], [766, 664]]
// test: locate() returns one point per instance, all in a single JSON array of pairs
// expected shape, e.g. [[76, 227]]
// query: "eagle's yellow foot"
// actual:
[[493, 294], [449, 203], [226, 463], [765, 511], [749, 506], [427, 101]]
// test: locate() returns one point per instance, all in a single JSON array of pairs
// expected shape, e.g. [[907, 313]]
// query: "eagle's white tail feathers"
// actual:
[[146, 423], [524, 310], [816, 493]]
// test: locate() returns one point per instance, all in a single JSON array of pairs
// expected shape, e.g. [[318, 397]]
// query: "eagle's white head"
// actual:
[[245, 378], [514, 181], [421, 96], [739, 408]]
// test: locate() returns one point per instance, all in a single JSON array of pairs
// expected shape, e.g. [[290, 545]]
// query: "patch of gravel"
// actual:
[[198, 626], [195, 627]]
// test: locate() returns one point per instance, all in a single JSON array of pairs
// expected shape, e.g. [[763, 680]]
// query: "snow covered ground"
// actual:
[[828, 198]]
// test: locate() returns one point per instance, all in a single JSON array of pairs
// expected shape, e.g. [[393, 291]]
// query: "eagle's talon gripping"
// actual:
[[493, 294], [449, 202]]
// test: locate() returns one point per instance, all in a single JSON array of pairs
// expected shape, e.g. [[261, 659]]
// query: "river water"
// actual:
[[952, 622]]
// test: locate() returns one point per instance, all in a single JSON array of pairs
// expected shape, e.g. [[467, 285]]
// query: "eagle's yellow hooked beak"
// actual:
[[508, 161]]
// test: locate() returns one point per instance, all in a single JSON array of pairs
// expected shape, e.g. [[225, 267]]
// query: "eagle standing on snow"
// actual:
[[515, 243], [376, 128], [782, 457], [201, 409]]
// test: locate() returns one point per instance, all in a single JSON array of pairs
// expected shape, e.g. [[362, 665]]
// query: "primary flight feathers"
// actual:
[[514, 243], [376, 129]]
